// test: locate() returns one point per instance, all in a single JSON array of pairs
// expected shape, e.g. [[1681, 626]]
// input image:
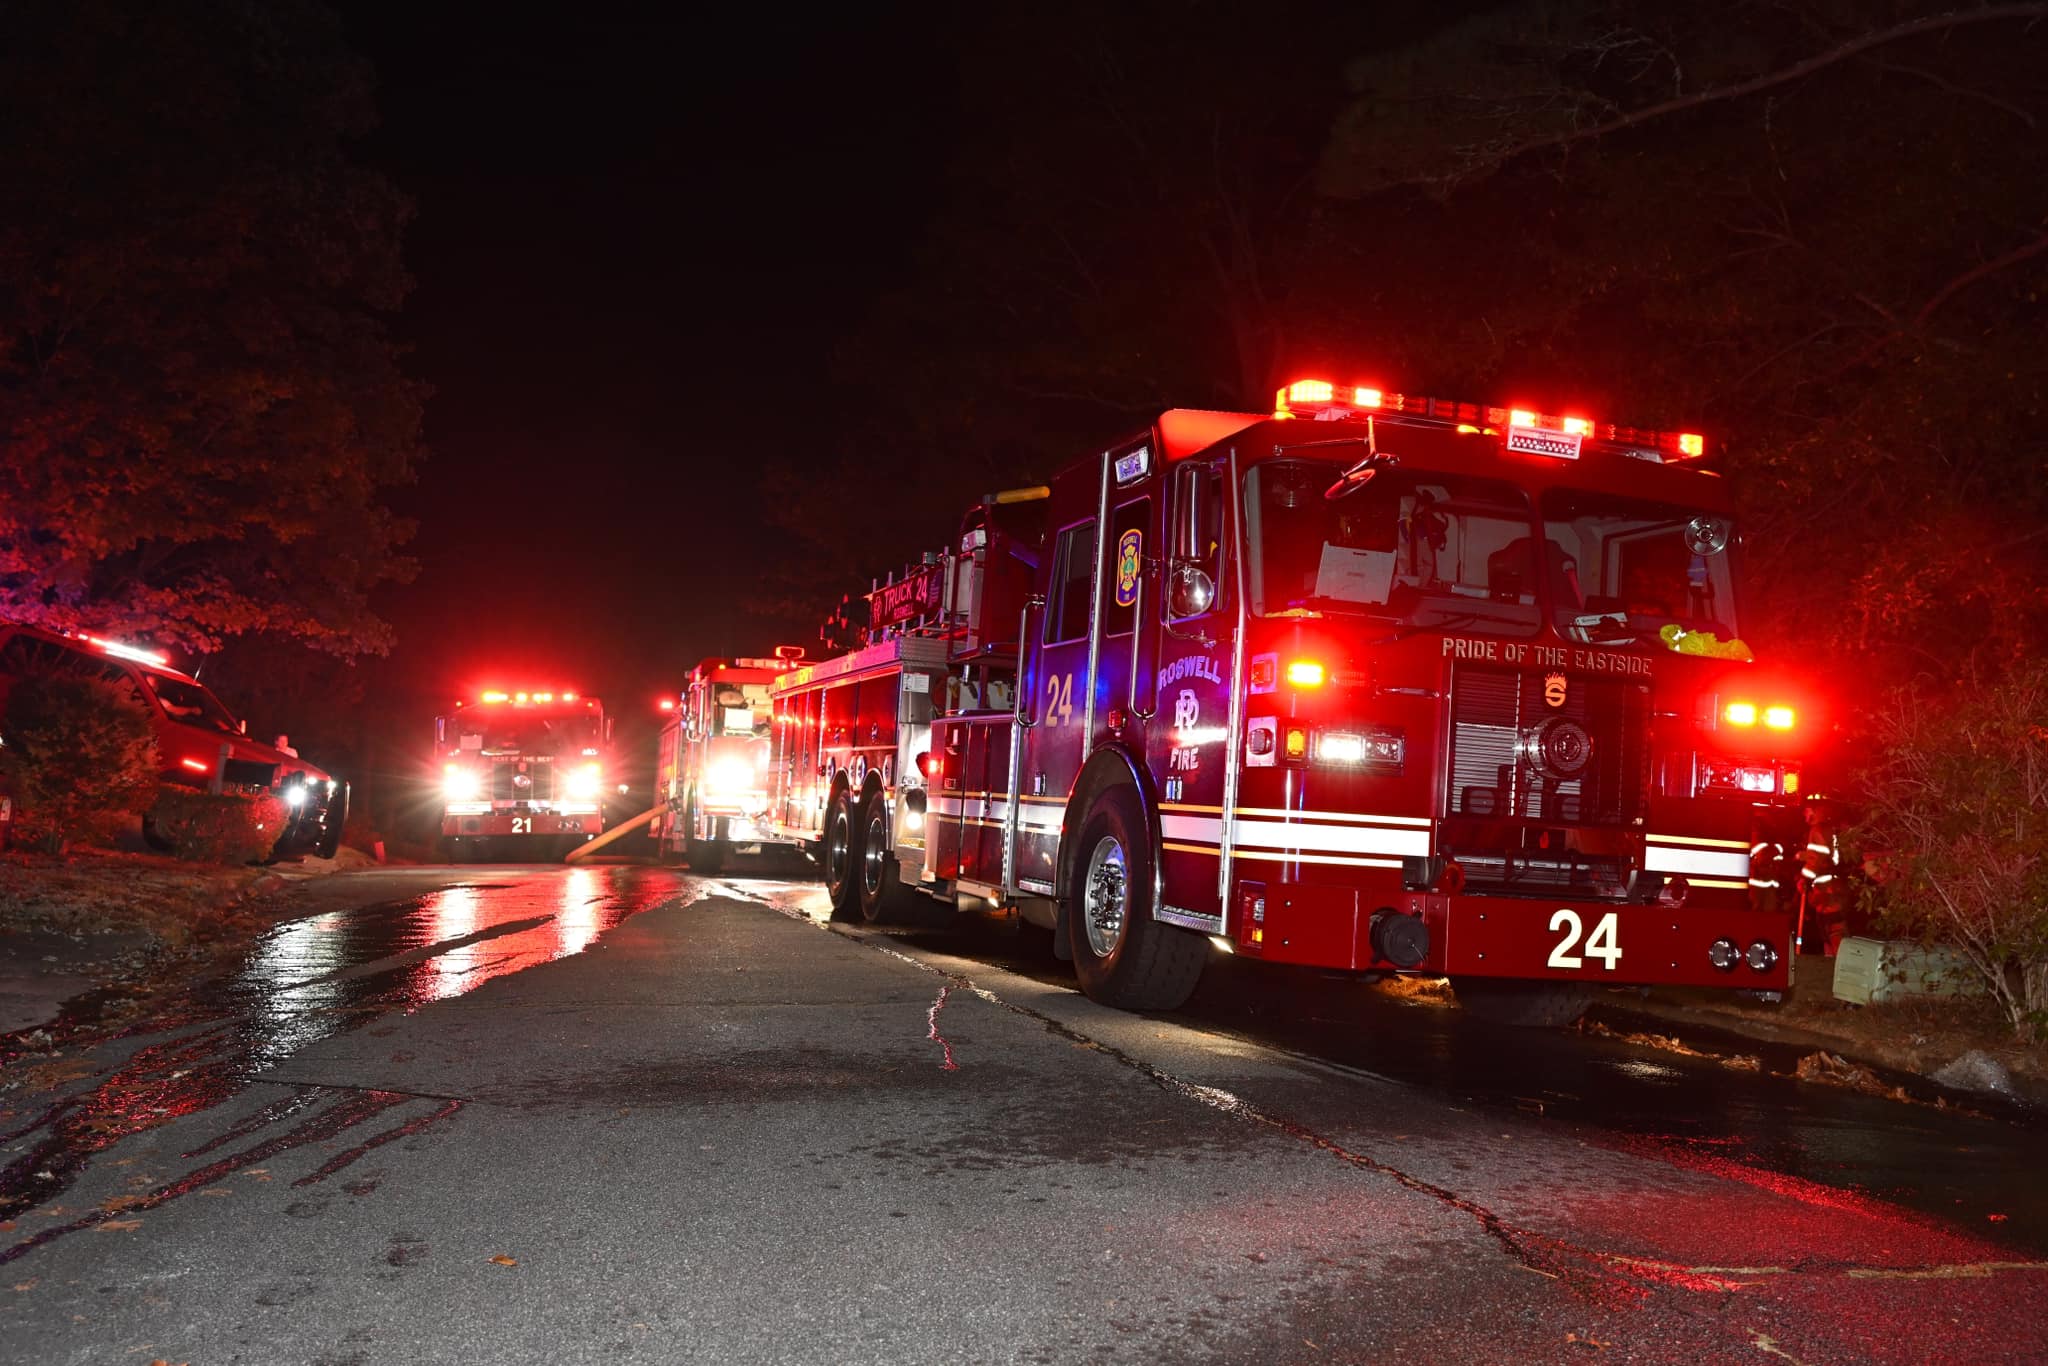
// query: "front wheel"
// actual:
[[329, 843], [1523, 1005], [841, 857], [1123, 956]]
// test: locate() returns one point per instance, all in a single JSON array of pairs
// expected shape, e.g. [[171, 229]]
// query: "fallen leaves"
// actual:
[[502, 1260], [117, 1225], [1578, 1339]]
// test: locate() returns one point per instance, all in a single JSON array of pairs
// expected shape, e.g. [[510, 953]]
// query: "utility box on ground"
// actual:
[[1872, 970]]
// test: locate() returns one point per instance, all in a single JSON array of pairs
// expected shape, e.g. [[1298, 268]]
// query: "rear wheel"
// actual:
[[1523, 1005], [840, 855], [882, 897], [1123, 956]]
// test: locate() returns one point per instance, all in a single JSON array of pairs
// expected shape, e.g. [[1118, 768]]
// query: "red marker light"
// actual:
[[1740, 713], [1367, 398], [495, 697], [1779, 718], [1311, 391], [1305, 673], [195, 765], [1691, 443], [1521, 417], [1578, 426], [668, 704]]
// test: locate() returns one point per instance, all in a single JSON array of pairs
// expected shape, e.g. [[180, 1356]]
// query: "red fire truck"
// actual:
[[1377, 682], [713, 770], [522, 774]]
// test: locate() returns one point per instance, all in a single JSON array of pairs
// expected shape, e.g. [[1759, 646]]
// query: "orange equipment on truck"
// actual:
[[713, 770], [1376, 682], [523, 774]]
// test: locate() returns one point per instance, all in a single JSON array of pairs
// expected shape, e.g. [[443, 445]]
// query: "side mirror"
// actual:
[[1190, 591]]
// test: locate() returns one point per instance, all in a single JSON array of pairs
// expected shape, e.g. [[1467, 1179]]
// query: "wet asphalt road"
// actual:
[[627, 1114]]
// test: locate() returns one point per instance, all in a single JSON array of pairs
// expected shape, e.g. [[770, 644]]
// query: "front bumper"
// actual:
[[520, 821]]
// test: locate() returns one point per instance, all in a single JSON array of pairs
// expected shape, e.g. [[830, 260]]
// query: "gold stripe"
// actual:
[[1208, 849], [1682, 841], [1711, 882], [1184, 806], [1351, 817], [1050, 801]]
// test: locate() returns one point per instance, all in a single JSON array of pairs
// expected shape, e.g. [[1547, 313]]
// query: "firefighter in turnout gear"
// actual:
[[1822, 901]]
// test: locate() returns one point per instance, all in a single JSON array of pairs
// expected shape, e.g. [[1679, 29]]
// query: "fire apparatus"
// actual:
[[1377, 682], [522, 774], [713, 770]]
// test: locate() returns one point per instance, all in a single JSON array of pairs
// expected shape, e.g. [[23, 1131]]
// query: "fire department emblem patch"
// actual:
[[1129, 561], [1553, 690]]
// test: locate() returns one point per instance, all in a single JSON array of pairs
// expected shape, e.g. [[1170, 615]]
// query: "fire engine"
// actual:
[[1376, 682], [522, 774], [713, 770]]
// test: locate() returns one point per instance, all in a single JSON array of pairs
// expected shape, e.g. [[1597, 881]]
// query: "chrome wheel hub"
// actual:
[[1105, 896]]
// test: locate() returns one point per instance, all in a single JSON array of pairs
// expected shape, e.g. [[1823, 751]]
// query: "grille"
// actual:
[[247, 773], [1514, 757], [505, 786]]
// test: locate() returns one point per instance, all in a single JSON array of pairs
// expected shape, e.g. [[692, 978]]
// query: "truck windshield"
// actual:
[[527, 733], [190, 703], [1635, 568], [741, 709], [1418, 548]]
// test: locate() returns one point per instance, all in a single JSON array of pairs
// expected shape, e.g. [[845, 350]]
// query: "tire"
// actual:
[[839, 854], [1123, 956], [705, 856], [329, 842], [882, 897], [1523, 1005]]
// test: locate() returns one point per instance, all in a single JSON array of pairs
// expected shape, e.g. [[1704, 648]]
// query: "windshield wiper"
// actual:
[[1449, 623]]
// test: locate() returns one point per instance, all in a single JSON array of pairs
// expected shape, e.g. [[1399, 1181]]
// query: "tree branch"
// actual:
[[1972, 276], [1933, 23]]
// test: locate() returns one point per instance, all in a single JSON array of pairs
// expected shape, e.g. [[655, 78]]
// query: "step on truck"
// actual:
[[523, 774], [1376, 682], [713, 768]]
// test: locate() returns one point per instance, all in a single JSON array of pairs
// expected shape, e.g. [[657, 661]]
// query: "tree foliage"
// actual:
[[80, 757], [201, 407], [1957, 831]]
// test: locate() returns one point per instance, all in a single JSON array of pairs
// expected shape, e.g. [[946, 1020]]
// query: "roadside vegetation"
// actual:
[[1955, 835]]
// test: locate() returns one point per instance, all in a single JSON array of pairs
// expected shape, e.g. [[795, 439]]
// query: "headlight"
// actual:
[[295, 795], [729, 774], [461, 784], [585, 782]]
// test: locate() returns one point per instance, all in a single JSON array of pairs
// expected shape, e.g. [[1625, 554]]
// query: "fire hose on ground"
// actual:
[[586, 849]]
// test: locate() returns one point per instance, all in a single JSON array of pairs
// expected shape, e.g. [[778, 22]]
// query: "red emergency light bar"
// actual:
[[115, 647], [495, 697], [1322, 399]]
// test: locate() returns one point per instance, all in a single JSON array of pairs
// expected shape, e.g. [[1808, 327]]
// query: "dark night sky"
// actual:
[[637, 240]]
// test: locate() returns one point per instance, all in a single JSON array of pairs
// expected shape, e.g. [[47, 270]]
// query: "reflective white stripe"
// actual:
[[1336, 839], [1824, 877], [1360, 818], [1173, 827], [1827, 849], [1697, 861]]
